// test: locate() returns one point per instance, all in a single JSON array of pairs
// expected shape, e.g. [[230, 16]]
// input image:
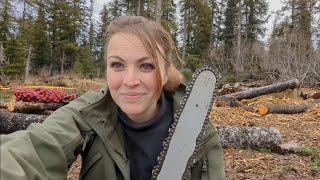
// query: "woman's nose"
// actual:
[[131, 78]]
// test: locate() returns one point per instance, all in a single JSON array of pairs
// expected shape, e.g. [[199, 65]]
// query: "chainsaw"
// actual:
[[177, 157]]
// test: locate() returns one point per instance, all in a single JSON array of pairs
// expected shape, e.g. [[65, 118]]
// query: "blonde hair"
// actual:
[[152, 35]]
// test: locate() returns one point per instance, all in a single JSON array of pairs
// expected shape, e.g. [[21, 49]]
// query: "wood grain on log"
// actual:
[[251, 93]]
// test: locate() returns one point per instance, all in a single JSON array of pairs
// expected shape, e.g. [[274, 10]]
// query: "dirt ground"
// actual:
[[303, 129]]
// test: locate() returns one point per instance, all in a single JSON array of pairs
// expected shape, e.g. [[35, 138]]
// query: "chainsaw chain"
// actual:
[[191, 161]]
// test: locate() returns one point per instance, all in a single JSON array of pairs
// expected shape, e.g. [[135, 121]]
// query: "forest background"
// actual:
[[57, 37]]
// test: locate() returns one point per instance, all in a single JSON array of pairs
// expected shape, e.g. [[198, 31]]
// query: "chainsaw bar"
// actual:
[[185, 134]]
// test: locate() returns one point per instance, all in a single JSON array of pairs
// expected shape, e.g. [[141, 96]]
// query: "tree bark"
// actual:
[[31, 107], [2, 62], [285, 108], [139, 8], [27, 68], [255, 92], [62, 63], [249, 137], [238, 47]]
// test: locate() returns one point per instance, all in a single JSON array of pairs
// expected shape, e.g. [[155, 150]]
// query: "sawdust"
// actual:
[[303, 129]]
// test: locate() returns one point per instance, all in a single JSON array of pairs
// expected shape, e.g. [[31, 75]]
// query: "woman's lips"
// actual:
[[132, 96]]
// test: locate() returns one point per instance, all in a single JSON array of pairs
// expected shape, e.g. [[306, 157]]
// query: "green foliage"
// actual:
[[256, 15], [85, 62], [193, 62], [229, 33], [196, 26]]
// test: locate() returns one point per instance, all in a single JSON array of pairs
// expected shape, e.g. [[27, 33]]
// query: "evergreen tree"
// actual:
[[41, 42], [229, 33], [196, 29], [217, 22], [169, 17], [256, 17], [66, 25], [6, 21]]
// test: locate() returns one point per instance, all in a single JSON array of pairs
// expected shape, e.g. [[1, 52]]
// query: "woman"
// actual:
[[118, 131]]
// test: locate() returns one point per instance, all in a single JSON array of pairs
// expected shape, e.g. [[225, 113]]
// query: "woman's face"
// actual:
[[131, 77]]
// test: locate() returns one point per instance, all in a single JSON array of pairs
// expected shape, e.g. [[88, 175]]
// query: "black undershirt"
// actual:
[[143, 142]]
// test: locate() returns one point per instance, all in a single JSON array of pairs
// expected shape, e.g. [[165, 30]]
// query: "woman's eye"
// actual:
[[147, 67], [116, 65]]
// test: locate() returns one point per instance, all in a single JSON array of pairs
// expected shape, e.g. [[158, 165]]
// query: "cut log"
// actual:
[[255, 92], [285, 108], [249, 137], [11, 122], [30, 107]]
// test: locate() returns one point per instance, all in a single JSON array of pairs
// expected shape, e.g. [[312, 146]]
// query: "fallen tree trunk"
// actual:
[[11, 122], [30, 107], [249, 137], [255, 92], [285, 108], [231, 136]]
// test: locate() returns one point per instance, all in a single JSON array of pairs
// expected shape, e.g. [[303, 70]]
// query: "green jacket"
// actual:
[[88, 125]]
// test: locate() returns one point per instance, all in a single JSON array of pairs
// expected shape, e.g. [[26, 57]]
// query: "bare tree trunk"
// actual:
[[255, 92], [139, 8], [2, 62], [238, 47], [27, 68], [185, 19], [62, 63], [1, 55], [159, 11]]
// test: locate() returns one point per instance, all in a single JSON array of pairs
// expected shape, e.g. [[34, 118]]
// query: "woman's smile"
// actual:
[[132, 96]]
